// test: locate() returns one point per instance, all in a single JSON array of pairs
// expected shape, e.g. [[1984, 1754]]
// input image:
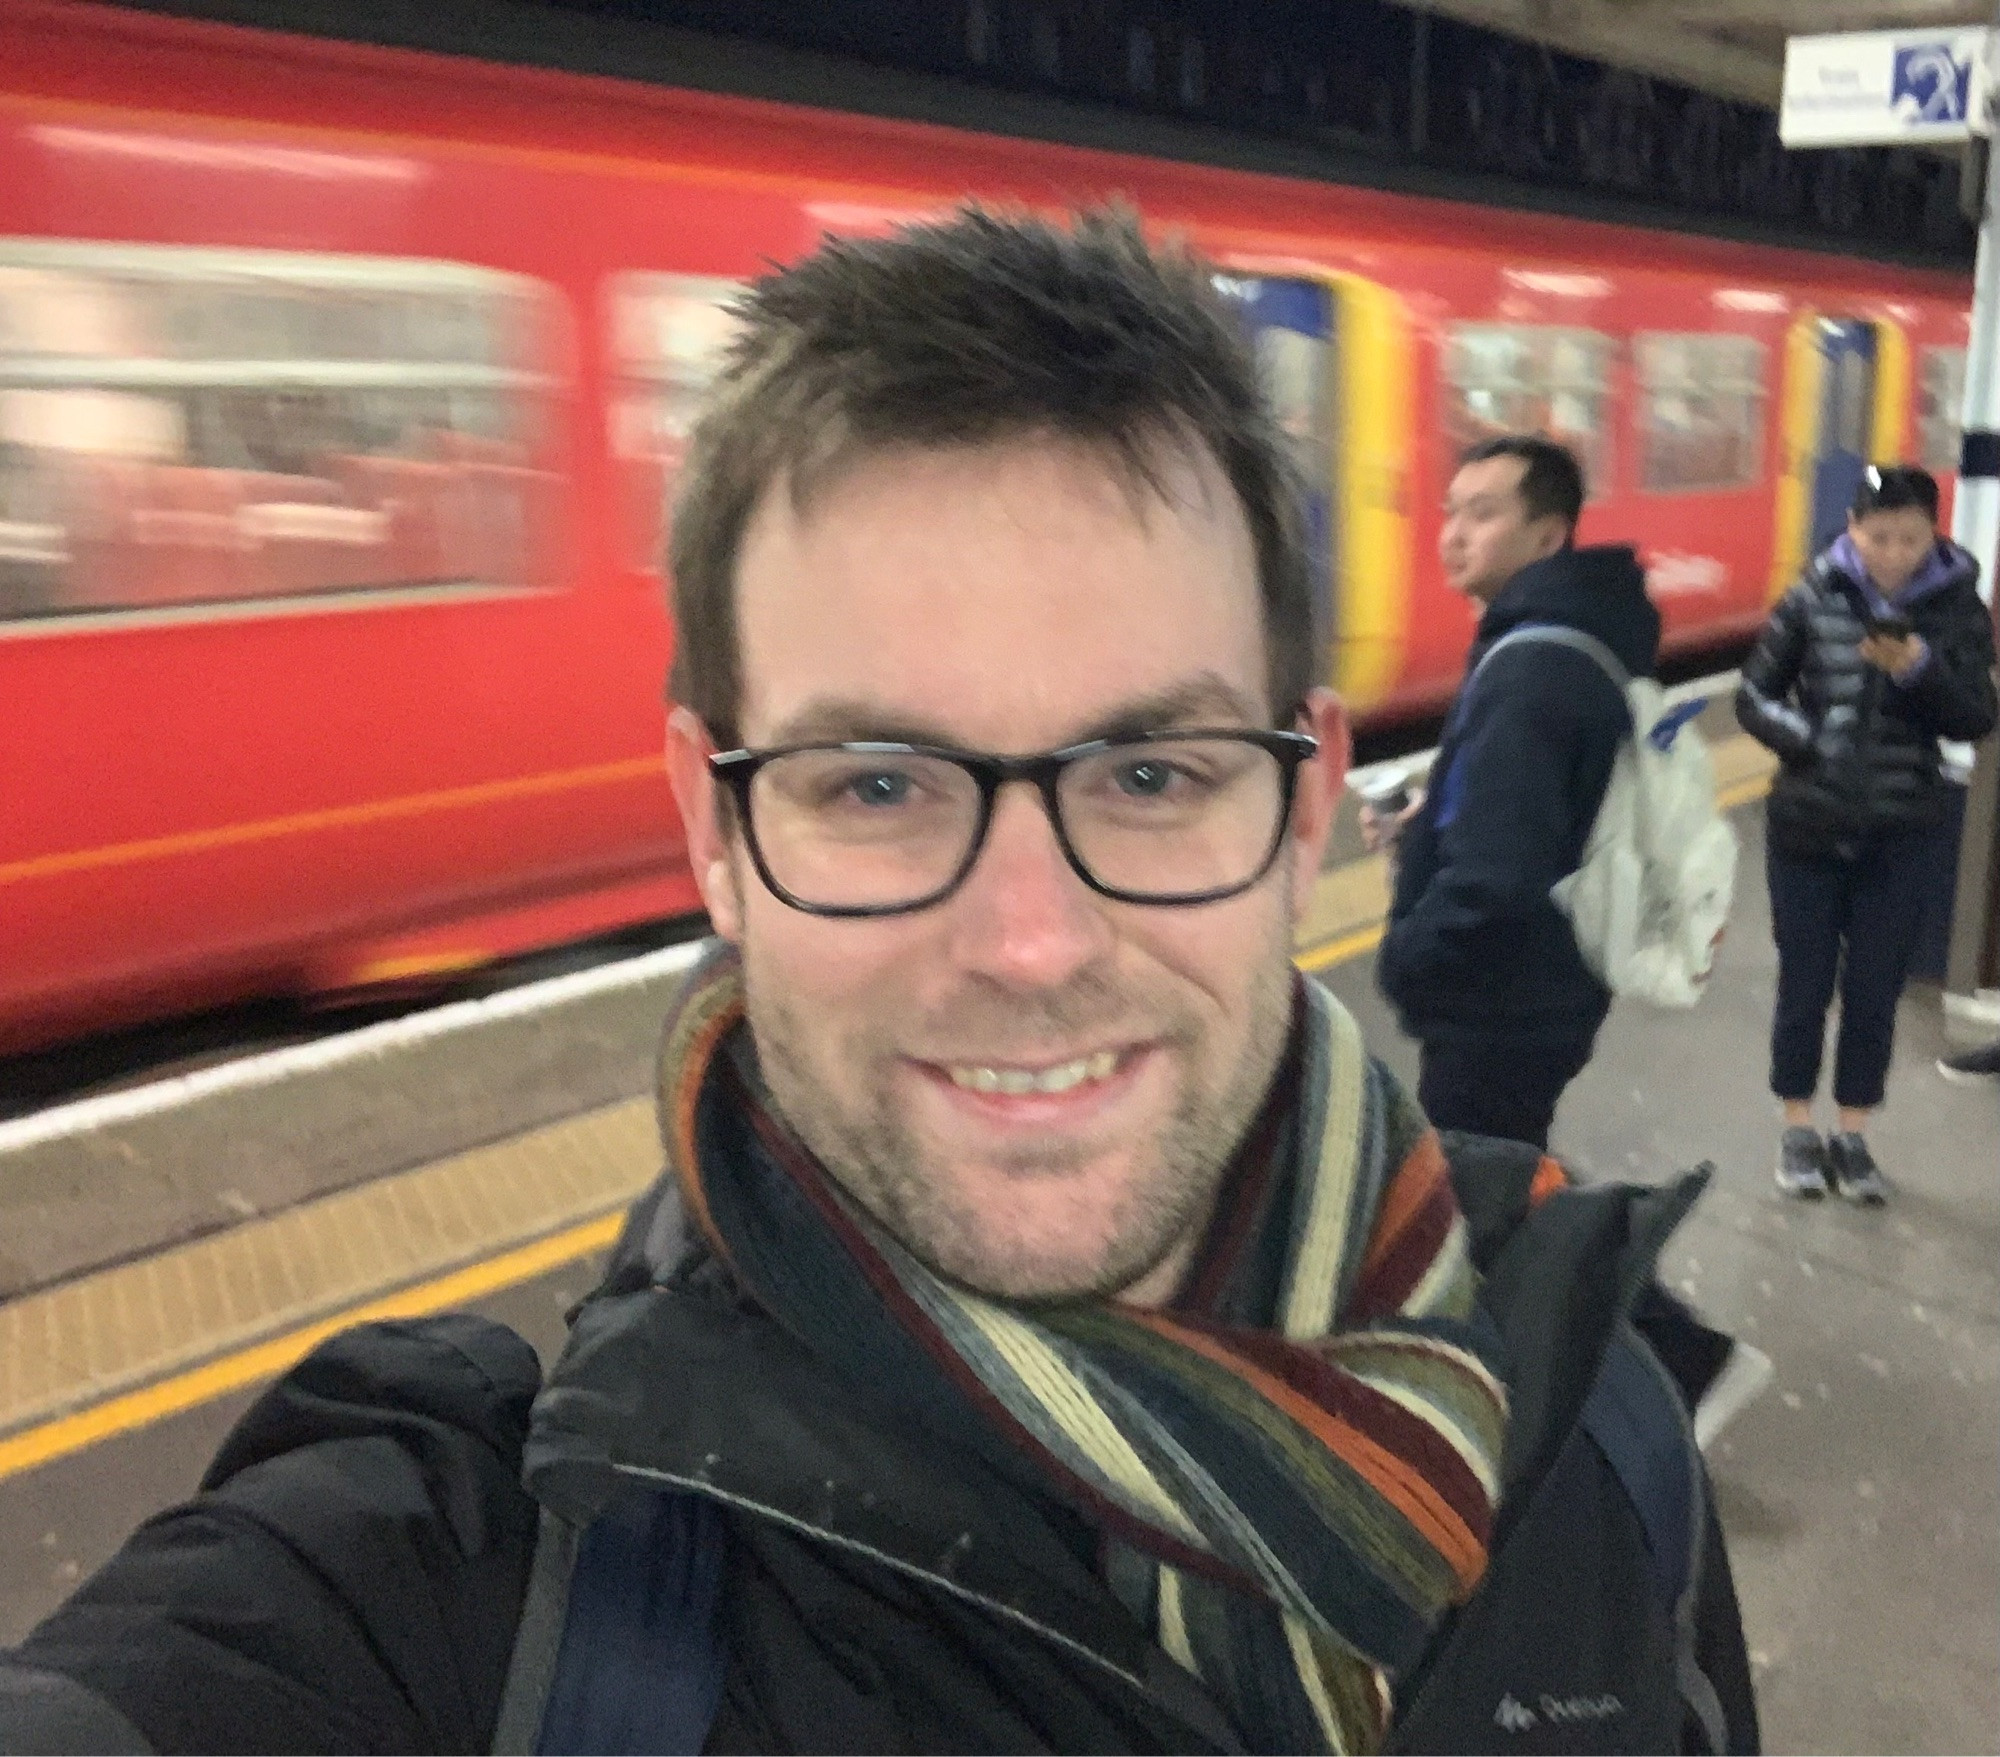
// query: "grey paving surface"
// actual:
[[1861, 1495]]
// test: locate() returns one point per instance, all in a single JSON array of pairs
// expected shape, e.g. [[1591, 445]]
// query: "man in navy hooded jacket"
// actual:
[[1480, 964]]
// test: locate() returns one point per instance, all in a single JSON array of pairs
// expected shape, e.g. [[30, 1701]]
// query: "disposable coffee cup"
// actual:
[[1386, 795]]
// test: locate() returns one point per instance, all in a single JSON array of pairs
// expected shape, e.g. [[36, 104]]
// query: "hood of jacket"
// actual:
[[1600, 590], [1946, 565]]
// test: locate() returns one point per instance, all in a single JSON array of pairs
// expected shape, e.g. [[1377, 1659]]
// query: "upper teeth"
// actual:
[[1057, 1079]]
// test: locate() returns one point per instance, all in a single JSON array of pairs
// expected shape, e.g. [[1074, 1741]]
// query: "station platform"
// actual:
[[167, 1256]]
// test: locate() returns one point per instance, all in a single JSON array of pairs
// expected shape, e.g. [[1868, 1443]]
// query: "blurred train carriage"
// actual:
[[341, 392]]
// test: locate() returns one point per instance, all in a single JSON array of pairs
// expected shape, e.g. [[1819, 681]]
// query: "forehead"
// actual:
[[1900, 521], [1490, 479], [1008, 597]]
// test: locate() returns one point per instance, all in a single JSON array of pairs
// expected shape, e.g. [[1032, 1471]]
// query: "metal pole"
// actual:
[[1975, 523], [1975, 519]]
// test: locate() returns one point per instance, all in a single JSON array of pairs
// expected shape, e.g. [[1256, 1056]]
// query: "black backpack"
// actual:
[[1607, 1617]]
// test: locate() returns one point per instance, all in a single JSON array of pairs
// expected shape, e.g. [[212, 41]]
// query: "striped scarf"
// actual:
[[1294, 1467]]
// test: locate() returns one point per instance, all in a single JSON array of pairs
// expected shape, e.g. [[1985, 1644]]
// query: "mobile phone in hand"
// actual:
[[1893, 626]]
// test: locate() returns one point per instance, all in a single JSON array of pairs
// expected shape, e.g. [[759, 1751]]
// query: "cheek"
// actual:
[[845, 980], [1225, 950]]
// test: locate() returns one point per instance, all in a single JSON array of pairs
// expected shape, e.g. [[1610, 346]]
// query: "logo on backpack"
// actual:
[[1650, 899], [1512, 1717], [1515, 1716]]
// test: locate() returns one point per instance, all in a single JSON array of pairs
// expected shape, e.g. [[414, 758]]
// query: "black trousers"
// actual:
[[1502, 1085], [1851, 925]]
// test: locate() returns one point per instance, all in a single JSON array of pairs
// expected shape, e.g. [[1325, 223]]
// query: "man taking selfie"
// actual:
[[1054, 1331]]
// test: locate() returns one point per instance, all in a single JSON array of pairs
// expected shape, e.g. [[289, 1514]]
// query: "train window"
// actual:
[[1701, 412], [185, 427], [1855, 392], [1297, 377], [1531, 378], [669, 334], [1940, 402]]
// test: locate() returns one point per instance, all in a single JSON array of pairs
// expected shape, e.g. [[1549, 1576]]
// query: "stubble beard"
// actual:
[[877, 1158]]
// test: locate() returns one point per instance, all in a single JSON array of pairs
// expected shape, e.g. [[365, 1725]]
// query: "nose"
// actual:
[[1023, 918]]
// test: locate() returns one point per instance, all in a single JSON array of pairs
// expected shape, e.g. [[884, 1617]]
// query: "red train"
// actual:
[[339, 389]]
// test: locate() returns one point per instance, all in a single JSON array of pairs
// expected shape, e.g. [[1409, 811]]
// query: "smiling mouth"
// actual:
[[1018, 1082]]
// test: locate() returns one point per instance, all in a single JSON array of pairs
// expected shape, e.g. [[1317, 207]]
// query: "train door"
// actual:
[[1846, 425], [1338, 360], [1847, 402], [1293, 329]]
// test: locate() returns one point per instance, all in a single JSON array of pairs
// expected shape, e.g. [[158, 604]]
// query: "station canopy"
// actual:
[[1732, 48]]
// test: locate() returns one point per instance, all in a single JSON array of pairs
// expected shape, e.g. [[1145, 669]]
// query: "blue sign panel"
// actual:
[[1931, 83]]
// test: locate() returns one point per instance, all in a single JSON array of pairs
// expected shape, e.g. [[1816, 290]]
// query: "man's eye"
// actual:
[[1146, 780], [884, 787]]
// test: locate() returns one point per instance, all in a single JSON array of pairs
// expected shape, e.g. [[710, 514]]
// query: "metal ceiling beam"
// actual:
[[1808, 17], [1629, 36]]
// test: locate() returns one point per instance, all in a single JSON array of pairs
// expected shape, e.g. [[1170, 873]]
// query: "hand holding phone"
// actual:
[[1892, 645]]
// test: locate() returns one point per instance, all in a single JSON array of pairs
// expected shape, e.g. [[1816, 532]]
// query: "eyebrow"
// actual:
[[1204, 699]]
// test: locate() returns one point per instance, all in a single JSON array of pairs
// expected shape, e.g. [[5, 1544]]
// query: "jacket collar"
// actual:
[[1947, 565], [681, 1386]]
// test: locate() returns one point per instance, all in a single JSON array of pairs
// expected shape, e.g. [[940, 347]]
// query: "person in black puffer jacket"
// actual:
[[1880, 651]]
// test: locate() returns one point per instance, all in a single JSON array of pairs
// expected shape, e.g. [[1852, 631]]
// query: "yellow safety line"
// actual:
[[51, 1440], [55, 1439], [1337, 951], [331, 818]]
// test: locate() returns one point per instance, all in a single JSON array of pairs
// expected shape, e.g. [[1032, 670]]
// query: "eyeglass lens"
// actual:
[[845, 829]]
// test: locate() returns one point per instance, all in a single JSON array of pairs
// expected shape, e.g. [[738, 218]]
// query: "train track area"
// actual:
[[174, 1049]]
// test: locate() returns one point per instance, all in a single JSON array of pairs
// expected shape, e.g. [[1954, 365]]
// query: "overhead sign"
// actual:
[[1885, 88]]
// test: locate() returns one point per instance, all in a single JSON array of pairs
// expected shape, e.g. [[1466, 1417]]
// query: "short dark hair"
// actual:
[[962, 332], [1552, 483], [1890, 487]]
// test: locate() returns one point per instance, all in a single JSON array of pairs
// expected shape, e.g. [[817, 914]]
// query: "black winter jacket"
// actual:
[[353, 1574], [1475, 945], [1859, 749]]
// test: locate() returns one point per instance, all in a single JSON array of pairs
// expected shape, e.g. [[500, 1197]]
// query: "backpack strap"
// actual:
[[620, 1646], [1447, 784], [537, 1639], [1636, 1419], [1556, 634]]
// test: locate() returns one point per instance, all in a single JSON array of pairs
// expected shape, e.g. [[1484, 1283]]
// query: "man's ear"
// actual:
[[1317, 796], [702, 814]]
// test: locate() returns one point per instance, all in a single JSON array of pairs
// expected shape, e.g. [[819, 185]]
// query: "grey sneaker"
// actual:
[[1802, 1164], [1976, 1067], [1853, 1172]]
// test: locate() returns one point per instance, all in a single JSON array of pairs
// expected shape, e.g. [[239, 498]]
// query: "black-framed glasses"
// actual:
[[1171, 818]]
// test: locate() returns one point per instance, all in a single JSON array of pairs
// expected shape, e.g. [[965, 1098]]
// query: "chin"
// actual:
[[1024, 1234]]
